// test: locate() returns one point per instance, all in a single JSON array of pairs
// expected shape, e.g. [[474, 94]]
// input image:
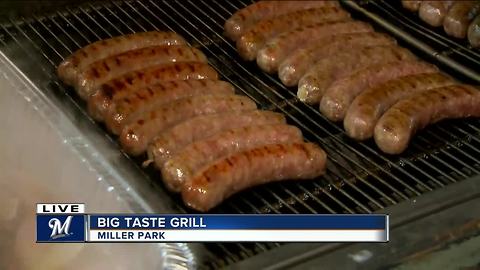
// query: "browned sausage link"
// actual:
[[474, 32], [174, 139], [227, 176], [312, 86], [244, 18], [411, 5], [72, 65], [298, 63], [341, 93], [117, 88], [99, 72], [254, 39], [366, 109], [459, 17], [396, 127], [278, 48], [136, 136], [186, 163], [434, 12], [122, 110]]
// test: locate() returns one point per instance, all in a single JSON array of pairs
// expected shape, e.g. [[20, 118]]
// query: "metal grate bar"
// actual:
[[315, 198], [370, 198], [20, 43], [75, 28], [296, 198], [105, 19], [334, 199], [452, 157], [83, 23], [460, 150], [63, 31], [361, 206], [463, 140], [440, 160], [53, 35], [118, 19]]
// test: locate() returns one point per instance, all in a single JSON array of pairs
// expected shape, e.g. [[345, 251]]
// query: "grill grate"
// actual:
[[359, 179]]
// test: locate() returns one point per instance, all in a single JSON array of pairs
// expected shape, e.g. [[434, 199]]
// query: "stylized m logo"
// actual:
[[59, 229]]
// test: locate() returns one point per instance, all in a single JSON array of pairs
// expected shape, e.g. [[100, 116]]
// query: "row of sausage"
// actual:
[[161, 97], [356, 75], [459, 19]]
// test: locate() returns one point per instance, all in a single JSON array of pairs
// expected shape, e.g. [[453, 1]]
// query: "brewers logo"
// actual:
[[59, 224]]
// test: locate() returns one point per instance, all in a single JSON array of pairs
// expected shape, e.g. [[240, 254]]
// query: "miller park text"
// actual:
[[134, 235]]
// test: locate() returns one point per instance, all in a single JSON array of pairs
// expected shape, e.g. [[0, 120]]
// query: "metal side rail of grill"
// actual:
[[359, 178]]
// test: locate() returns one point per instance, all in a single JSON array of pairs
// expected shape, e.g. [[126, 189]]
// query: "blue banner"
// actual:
[[218, 222], [61, 228]]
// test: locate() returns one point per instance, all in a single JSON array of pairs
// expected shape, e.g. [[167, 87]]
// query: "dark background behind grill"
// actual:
[[359, 179]]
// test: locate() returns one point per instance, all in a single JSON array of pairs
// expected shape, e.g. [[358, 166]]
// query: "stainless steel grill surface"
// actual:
[[359, 178]]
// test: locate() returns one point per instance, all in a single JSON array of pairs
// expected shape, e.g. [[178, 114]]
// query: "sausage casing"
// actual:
[[122, 110], [255, 38], [369, 106], [397, 126], [72, 65], [226, 176], [99, 102], [298, 63], [474, 32], [176, 138], [136, 136], [190, 159], [99, 72], [459, 17], [278, 48], [246, 17], [411, 5], [339, 96], [434, 12], [311, 87]]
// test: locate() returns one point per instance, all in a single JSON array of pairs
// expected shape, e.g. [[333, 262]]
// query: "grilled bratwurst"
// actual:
[[168, 143], [227, 176], [119, 87], [434, 12], [72, 65], [474, 32], [297, 64], [99, 72], [255, 38], [338, 96], [369, 106], [144, 99], [396, 127], [312, 86], [278, 48], [136, 136], [411, 5], [459, 17], [193, 157], [245, 18]]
